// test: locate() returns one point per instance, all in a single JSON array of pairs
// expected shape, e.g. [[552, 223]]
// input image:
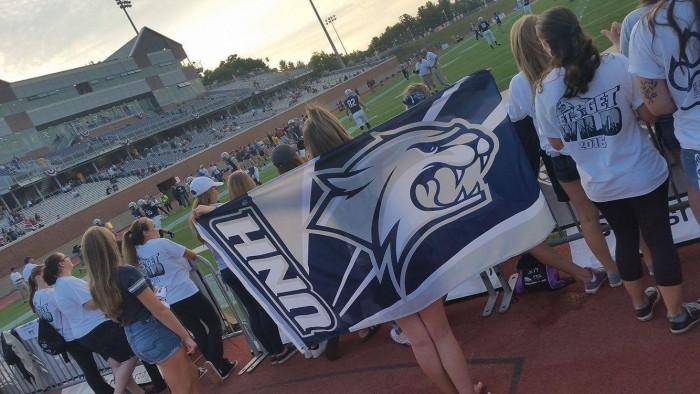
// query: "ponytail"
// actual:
[[51, 268], [132, 238], [33, 286], [571, 49]]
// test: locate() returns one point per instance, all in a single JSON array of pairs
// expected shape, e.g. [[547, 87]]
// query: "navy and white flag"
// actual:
[[387, 223]]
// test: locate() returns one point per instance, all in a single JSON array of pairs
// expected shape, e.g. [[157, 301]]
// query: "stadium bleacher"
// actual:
[[161, 155]]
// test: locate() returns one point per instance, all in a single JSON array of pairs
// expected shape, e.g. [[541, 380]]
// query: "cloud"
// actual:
[[45, 36]]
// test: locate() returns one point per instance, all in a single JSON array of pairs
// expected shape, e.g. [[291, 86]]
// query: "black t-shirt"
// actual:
[[352, 103], [181, 190], [132, 283], [150, 211], [300, 145], [484, 26]]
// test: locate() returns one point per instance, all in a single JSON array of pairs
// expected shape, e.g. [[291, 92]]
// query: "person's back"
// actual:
[[71, 294], [600, 130]]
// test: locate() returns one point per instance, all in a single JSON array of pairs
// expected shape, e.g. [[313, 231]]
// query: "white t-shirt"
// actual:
[[613, 154], [423, 68], [27, 270], [47, 309], [628, 24], [521, 104], [71, 294], [657, 58], [162, 261], [16, 277], [430, 58]]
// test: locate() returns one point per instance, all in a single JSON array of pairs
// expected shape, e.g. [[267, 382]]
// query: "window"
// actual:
[[83, 87]]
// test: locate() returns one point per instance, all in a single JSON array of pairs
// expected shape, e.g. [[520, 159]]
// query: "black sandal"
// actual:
[[371, 331]]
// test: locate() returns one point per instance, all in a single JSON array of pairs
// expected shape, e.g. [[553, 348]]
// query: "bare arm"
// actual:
[[656, 96], [556, 143], [190, 254], [646, 115], [165, 316]]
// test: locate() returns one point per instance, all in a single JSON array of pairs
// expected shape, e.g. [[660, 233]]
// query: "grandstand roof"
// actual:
[[131, 47]]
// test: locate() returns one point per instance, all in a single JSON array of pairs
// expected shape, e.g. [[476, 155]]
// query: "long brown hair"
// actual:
[[322, 131], [571, 48], [673, 24], [33, 286], [132, 238], [52, 268], [206, 198], [102, 259], [239, 183], [529, 54]]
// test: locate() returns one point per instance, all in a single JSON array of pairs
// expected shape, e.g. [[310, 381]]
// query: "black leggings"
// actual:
[[262, 325], [86, 361], [197, 314], [650, 214]]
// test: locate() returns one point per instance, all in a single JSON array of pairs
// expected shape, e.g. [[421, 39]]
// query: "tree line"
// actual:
[[428, 17]]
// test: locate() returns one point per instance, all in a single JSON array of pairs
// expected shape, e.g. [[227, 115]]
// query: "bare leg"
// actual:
[[123, 379], [636, 291], [672, 298], [589, 216], [180, 374], [548, 256], [425, 352], [449, 351]]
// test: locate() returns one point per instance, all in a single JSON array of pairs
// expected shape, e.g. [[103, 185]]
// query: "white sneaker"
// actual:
[[401, 339], [316, 353]]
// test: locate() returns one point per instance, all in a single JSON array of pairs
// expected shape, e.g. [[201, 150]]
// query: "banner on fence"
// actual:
[[389, 222]]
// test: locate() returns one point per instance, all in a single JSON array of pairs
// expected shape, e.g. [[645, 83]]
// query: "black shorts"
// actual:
[[565, 169], [108, 340]]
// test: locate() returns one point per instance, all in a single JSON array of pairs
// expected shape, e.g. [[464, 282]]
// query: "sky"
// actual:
[[39, 37]]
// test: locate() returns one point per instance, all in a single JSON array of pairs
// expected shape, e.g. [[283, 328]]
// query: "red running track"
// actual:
[[559, 342]]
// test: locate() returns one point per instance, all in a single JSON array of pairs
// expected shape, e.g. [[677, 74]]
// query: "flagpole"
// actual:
[[328, 36]]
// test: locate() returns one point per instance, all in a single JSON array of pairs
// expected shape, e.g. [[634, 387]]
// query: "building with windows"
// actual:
[[151, 72]]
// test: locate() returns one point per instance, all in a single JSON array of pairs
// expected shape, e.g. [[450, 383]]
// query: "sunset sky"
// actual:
[[39, 37]]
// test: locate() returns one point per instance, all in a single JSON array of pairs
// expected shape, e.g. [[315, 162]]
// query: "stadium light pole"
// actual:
[[124, 4], [328, 36], [329, 21]]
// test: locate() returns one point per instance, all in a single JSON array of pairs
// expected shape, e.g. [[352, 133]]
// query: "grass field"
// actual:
[[457, 61]]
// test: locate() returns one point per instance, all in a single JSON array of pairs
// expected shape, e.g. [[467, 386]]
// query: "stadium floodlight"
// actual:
[[329, 21], [328, 36], [124, 4]]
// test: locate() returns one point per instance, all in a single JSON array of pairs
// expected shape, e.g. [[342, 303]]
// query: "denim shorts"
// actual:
[[690, 161], [151, 341], [665, 131], [565, 169]]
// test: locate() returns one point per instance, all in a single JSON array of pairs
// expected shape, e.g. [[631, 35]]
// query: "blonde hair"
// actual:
[[206, 198], [416, 88], [133, 237], [239, 183], [102, 259], [530, 56], [322, 131]]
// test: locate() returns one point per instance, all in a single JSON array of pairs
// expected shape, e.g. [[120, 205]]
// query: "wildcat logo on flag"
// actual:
[[387, 223]]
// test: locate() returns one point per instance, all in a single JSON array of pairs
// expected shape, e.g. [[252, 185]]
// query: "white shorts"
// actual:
[[360, 118], [157, 223], [489, 36]]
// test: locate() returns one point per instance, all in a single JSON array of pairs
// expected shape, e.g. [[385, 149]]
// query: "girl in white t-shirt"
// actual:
[[666, 76], [166, 264], [43, 303], [533, 60], [88, 324], [589, 104]]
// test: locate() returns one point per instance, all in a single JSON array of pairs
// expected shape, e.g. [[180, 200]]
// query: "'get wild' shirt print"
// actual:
[[588, 121]]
